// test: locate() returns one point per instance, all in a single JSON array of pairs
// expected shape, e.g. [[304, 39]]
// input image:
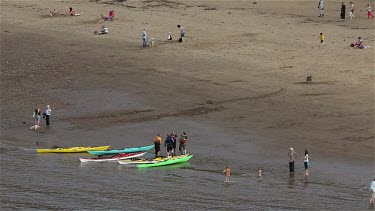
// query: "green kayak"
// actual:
[[169, 161]]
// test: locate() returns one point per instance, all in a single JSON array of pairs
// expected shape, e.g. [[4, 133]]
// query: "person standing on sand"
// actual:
[[292, 155], [47, 115], [343, 10], [144, 38], [369, 12], [321, 8], [157, 143], [182, 31], [372, 191], [36, 115], [227, 171], [306, 162], [351, 12]]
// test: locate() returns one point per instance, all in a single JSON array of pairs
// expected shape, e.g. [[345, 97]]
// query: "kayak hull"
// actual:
[[72, 149], [168, 161], [139, 161], [118, 151], [113, 158]]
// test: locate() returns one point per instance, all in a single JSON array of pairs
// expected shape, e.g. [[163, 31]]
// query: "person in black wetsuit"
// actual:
[[169, 145]]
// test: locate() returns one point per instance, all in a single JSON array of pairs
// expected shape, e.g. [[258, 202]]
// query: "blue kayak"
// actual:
[[118, 151]]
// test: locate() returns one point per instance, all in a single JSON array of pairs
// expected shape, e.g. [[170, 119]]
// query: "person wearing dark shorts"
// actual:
[[292, 155], [157, 143], [169, 145]]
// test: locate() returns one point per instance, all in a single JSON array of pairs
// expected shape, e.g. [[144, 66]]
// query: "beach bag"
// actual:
[[308, 163], [180, 39]]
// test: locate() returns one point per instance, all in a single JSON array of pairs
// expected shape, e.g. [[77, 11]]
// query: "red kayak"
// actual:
[[113, 157]]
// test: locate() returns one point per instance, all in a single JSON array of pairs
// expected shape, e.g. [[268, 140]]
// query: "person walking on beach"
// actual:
[[144, 37], [369, 12], [292, 155], [343, 10], [157, 143], [182, 32], [47, 114], [321, 37], [321, 8], [372, 191], [306, 162], [227, 171], [36, 115], [351, 12]]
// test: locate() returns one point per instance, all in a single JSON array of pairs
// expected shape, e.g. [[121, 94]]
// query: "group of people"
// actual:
[[171, 143], [343, 10], [110, 17], [169, 36], [292, 157], [351, 11], [37, 116], [358, 45]]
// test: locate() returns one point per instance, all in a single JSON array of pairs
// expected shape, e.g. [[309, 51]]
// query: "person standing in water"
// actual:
[[260, 172], [227, 171], [372, 191], [292, 155], [306, 162], [47, 115], [36, 115], [157, 143]]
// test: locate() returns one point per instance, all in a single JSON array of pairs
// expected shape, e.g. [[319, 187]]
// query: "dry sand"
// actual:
[[242, 66]]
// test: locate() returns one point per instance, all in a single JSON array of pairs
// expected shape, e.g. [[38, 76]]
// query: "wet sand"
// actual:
[[236, 85]]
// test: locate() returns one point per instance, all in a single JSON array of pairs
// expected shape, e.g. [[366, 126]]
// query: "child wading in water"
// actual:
[[227, 170], [260, 172], [306, 162], [321, 37]]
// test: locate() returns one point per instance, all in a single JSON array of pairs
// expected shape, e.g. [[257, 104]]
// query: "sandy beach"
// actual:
[[240, 72]]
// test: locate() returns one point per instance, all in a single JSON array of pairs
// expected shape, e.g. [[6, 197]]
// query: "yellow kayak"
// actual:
[[73, 149]]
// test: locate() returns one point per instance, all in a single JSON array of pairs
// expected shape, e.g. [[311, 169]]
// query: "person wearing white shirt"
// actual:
[[372, 191], [306, 162], [321, 8], [47, 115]]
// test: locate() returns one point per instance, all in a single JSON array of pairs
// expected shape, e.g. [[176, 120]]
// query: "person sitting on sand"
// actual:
[[103, 18], [73, 12], [103, 31], [359, 44]]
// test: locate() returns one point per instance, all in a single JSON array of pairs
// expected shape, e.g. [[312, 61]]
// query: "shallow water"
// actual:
[[59, 181]]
